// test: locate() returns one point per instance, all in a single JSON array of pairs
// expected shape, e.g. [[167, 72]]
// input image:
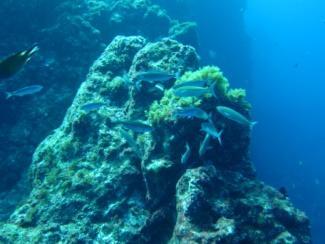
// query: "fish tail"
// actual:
[[8, 95], [252, 124]]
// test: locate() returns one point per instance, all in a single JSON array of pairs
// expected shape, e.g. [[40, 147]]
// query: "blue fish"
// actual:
[[210, 129], [152, 77], [233, 115], [92, 106], [197, 83], [28, 90], [195, 91], [135, 126], [191, 112], [204, 146]]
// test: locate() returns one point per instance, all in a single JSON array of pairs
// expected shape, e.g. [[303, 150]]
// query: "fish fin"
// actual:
[[213, 89], [160, 87], [219, 137], [8, 95], [33, 50], [252, 124]]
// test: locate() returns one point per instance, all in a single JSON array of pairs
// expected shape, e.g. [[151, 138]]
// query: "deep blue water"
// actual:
[[282, 67], [275, 49]]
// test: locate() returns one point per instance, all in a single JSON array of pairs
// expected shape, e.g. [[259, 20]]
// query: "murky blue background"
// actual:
[[283, 69]]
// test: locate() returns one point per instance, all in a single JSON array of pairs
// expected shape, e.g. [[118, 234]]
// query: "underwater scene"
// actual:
[[162, 121]]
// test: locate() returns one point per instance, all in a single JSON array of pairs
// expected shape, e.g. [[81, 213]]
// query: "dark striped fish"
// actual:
[[15, 62]]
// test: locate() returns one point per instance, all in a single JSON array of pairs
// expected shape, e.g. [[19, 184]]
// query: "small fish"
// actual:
[[190, 112], [197, 83], [88, 107], [191, 91], [135, 126], [195, 91], [210, 129], [153, 76], [15, 62], [28, 90], [132, 143], [204, 146], [186, 155], [233, 115]]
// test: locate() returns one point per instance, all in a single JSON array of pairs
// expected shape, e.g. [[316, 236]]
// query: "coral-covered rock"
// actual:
[[70, 34], [225, 207], [93, 181]]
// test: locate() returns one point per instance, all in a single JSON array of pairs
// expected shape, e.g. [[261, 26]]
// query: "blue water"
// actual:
[[288, 95], [285, 83]]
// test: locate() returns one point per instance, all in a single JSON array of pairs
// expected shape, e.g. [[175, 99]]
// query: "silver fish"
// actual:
[[233, 115], [204, 146], [92, 106], [195, 91], [135, 126], [210, 129], [190, 112], [191, 91], [132, 143], [197, 83], [28, 90], [186, 155], [153, 76]]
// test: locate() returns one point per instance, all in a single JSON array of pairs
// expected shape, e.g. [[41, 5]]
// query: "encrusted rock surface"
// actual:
[[71, 35], [89, 185]]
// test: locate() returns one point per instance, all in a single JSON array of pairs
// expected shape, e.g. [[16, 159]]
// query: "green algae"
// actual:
[[162, 110]]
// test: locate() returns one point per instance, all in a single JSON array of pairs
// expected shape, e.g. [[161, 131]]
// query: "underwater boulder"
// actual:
[[94, 179]]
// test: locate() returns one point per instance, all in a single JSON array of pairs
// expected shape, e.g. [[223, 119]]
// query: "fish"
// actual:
[[204, 146], [88, 107], [197, 83], [28, 90], [186, 155], [210, 129], [190, 112], [153, 76], [132, 143], [195, 91], [233, 115], [135, 126], [15, 62]]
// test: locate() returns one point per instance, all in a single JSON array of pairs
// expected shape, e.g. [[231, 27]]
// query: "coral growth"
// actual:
[[89, 184]]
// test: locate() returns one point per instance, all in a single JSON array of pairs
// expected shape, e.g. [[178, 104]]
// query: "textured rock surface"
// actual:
[[89, 185], [71, 34]]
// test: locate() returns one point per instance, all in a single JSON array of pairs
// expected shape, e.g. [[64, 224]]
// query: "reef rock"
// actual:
[[90, 183], [70, 34]]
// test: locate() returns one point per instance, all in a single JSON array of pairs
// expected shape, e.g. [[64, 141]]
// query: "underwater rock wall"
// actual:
[[90, 183], [71, 34]]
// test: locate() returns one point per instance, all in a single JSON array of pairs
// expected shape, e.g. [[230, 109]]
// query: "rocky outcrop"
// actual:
[[70, 36], [91, 184]]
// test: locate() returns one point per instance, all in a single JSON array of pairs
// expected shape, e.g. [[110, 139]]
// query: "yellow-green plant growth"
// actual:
[[162, 110]]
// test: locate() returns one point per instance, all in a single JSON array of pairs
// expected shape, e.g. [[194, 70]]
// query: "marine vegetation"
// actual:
[[130, 171]]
